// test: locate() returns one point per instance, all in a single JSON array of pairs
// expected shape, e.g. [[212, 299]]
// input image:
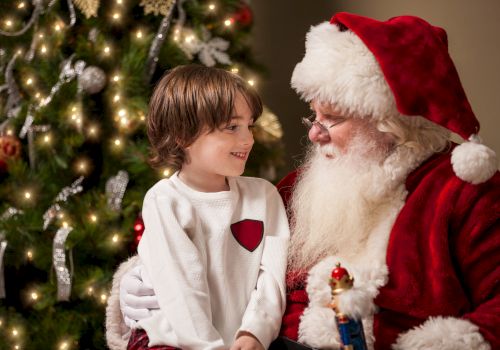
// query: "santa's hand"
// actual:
[[137, 296], [318, 328]]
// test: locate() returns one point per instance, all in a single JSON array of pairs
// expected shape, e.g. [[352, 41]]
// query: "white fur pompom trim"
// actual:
[[338, 68], [442, 333], [473, 162], [318, 328], [117, 332]]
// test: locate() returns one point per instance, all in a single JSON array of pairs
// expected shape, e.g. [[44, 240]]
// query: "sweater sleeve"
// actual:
[[265, 309], [178, 275]]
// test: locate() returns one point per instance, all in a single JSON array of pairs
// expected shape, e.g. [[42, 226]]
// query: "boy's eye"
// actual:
[[231, 127]]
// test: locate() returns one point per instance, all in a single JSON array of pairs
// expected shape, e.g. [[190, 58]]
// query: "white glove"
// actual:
[[137, 297]]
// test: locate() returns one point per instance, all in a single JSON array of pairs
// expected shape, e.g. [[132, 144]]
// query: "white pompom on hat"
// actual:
[[398, 67]]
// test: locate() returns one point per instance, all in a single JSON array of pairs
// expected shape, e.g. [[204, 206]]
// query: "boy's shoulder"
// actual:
[[162, 188], [159, 187]]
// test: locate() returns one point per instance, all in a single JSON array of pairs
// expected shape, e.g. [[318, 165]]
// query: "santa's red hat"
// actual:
[[398, 67]]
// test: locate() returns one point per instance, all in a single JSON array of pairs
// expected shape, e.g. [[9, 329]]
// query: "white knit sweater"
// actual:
[[217, 262]]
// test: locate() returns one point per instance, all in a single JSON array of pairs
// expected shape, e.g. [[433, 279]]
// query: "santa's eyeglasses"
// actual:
[[311, 121]]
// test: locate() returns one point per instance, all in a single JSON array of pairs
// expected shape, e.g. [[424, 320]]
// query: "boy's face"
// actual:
[[223, 152]]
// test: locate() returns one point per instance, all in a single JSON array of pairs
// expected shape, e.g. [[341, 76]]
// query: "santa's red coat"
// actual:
[[443, 257]]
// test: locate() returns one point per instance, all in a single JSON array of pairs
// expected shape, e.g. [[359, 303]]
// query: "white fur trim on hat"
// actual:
[[474, 162], [117, 332], [338, 68], [442, 333]]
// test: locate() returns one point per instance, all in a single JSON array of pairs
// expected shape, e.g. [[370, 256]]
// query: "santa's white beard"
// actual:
[[337, 202]]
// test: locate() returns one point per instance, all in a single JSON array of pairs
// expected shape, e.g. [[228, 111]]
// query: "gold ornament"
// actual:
[[157, 6], [88, 7], [268, 127]]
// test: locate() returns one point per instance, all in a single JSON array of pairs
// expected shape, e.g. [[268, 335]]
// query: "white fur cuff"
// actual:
[[442, 333], [117, 333]]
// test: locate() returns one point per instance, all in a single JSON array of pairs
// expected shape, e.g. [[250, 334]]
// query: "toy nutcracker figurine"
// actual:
[[351, 331]]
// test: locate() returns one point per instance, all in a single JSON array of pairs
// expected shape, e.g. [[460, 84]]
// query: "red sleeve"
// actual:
[[477, 247]]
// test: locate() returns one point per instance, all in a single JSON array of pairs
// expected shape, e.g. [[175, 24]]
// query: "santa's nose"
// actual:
[[318, 135]]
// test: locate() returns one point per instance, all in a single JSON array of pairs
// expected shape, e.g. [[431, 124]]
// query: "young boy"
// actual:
[[215, 243]]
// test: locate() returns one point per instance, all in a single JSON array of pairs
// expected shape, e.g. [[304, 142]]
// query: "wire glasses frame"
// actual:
[[309, 122]]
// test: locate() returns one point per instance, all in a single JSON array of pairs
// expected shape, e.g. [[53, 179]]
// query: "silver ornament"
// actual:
[[92, 80]]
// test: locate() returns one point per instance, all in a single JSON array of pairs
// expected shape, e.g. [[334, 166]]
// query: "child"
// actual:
[[215, 243]]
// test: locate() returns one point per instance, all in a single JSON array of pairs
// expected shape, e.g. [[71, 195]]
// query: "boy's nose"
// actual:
[[248, 138]]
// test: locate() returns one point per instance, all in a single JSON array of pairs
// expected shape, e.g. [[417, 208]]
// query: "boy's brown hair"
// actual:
[[188, 101]]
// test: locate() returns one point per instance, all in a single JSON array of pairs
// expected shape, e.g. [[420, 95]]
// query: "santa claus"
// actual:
[[413, 217]]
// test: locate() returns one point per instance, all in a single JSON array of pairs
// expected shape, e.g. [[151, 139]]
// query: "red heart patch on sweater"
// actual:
[[248, 233]]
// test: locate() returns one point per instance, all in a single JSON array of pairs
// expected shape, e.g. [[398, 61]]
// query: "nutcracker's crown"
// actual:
[[340, 279]]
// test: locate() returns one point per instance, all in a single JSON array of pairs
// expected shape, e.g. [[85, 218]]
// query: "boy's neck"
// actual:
[[202, 183]]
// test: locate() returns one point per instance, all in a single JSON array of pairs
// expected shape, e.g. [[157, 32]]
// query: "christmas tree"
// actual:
[[75, 80]]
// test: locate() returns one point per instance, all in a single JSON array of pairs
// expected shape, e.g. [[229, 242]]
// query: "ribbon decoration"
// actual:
[[62, 196], [3, 246], [67, 74], [10, 212], [59, 261], [160, 37]]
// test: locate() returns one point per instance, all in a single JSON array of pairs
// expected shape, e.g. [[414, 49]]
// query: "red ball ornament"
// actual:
[[243, 15], [138, 229], [10, 148]]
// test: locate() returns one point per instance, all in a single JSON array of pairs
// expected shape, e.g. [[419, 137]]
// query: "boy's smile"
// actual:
[[240, 155]]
